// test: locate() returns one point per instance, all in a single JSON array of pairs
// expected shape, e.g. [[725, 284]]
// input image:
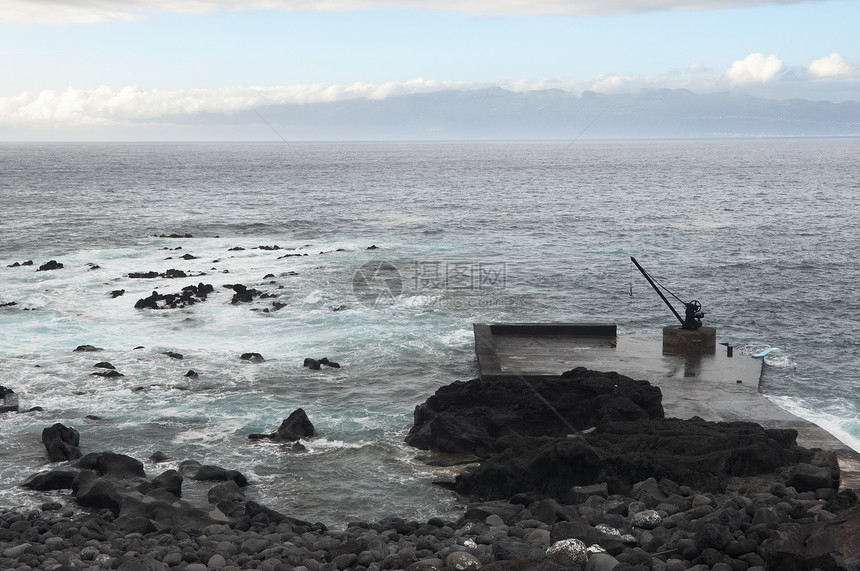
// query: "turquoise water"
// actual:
[[762, 232]]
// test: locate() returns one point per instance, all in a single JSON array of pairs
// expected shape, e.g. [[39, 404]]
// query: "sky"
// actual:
[[91, 69]]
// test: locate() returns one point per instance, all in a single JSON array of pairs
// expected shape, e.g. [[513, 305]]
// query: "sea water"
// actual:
[[762, 232]]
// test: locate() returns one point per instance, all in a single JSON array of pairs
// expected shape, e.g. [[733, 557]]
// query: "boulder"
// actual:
[[50, 480], [86, 348], [193, 470], [112, 465], [51, 265], [469, 417], [805, 477], [294, 427], [170, 481], [61, 443]]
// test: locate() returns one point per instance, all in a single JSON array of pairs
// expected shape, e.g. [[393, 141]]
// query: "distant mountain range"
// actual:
[[498, 114]]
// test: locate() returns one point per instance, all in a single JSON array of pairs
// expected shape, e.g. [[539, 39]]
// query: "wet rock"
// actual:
[[51, 480], [193, 470], [117, 293], [252, 357], [104, 365], [61, 443], [191, 374], [174, 355], [113, 465], [109, 374], [86, 348], [316, 364], [294, 427], [51, 265]]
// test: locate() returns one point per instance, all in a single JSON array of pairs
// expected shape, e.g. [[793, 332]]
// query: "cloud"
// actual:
[[93, 11], [103, 106], [755, 68], [830, 66]]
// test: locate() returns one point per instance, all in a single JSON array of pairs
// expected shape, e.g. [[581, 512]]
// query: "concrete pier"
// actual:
[[712, 386]]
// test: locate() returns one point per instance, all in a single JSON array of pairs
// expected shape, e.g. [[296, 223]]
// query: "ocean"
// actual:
[[381, 256]]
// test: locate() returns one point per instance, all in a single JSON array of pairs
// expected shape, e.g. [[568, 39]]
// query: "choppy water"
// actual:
[[762, 232]]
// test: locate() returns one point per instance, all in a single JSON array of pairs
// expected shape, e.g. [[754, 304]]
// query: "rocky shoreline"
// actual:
[[601, 482]]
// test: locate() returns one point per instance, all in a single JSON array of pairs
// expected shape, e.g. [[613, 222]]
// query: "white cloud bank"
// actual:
[[755, 68], [833, 65], [103, 106], [132, 105], [93, 11]]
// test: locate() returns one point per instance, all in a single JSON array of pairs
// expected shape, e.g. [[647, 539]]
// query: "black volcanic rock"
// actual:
[[695, 453], [113, 465], [51, 265], [294, 427], [189, 295], [469, 417], [61, 442]]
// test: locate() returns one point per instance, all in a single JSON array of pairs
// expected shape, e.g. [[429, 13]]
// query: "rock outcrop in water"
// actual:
[[189, 295], [293, 428], [475, 416], [61, 443]]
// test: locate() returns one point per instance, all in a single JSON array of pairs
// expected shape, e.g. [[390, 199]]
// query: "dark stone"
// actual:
[[808, 478], [253, 357], [174, 355], [243, 294], [311, 363], [92, 491], [158, 456], [113, 465], [51, 265], [325, 361], [470, 416], [195, 471], [189, 295], [86, 348], [61, 443], [104, 365], [50, 480], [694, 453], [108, 374], [170, 481], [824, 545], [191, 374], [228, 491], [296, 426], [117, 293]]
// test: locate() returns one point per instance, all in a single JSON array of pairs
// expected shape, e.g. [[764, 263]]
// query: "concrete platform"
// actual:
[[712, 386]]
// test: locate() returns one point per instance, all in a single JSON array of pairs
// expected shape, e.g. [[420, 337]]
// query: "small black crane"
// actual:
[[692, 309]]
